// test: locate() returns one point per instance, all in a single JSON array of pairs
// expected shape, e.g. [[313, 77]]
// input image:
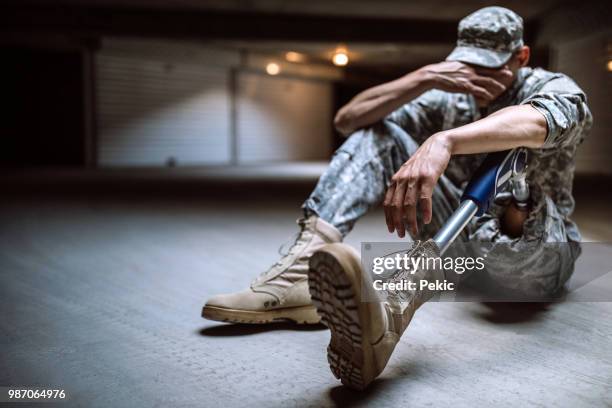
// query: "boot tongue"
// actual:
[[309, 226], [286, 257], [306, 223], [324, 229]]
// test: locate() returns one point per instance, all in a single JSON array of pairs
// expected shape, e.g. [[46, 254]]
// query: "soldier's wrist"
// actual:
[[424, 78], [444, 139]]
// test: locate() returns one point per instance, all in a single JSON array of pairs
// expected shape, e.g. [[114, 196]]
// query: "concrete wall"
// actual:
[[283, 119], [579, 35], [585, 60]]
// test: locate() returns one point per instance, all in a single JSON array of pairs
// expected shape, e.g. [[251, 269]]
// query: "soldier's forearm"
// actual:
[[511, 127], [376, 103]]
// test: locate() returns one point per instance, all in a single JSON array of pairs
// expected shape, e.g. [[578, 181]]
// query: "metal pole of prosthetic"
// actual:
[[494, 175]]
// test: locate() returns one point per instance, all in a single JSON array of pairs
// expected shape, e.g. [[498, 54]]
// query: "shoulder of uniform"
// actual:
[[542, 80]]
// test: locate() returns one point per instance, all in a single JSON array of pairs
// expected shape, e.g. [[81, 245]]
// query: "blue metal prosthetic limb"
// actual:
[[500, 172]]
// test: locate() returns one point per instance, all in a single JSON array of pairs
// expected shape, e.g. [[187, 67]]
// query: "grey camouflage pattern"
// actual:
[[488, 37], [362, 167]]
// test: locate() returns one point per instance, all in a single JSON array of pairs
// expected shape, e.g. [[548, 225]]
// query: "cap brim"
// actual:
[[479, 56]]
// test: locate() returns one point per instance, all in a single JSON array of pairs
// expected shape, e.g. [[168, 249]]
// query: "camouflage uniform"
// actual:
[[362, 167]]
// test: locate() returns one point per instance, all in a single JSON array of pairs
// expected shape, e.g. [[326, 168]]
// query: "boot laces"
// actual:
[[287, 250]]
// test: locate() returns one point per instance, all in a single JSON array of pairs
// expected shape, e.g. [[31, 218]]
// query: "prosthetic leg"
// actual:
[[364, 334], [500, 173]]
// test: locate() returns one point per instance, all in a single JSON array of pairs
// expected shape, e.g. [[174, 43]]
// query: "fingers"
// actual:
[[484, 83], [468, 85], [493, 86], [397, 212], [425, 200], [489, 79], [480, 92], [419, 194], [498, 73], [396, 209], [409, 208], [411, 191], [387, 207]]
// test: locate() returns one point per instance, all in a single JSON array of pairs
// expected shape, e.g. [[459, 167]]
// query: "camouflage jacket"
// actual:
[[551, 167]]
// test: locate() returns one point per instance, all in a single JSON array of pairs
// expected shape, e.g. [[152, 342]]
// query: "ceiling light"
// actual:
[[272, 68], [610, 65], [340, 58], [293, 56]]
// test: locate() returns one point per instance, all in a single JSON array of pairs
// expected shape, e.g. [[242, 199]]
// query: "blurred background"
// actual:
[[134, 84], [154, 153]]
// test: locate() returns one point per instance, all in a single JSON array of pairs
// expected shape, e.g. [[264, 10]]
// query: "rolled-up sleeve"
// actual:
[[564, 106]]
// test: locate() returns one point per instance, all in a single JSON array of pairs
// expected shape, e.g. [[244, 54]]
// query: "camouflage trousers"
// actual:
[[538, 263]]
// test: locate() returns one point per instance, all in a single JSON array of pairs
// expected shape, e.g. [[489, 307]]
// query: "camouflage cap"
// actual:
[[488, 37]]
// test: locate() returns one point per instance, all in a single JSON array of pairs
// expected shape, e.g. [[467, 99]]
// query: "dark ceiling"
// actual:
[[448, 10], [388, 32]]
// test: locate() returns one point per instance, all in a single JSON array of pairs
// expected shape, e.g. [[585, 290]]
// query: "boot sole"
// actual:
[[334, 286], [300, 315]]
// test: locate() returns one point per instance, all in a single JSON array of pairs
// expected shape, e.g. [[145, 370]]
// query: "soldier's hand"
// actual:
[[413, 184], [484, 83]]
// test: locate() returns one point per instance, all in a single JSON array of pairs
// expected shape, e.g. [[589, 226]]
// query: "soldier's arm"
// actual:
[[412, 186], [557, 115], [376, 103], [554, 117], [511, 127]]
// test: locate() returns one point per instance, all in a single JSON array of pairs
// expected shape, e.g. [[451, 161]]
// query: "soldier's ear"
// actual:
[[522, 55]]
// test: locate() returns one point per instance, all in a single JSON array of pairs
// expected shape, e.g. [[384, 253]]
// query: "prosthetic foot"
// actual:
[[280, 293], [363, 334]]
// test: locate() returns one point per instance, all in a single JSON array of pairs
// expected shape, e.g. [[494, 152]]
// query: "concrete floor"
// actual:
[[101, 296]]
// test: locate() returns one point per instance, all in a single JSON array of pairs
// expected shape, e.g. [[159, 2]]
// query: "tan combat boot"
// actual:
[[280, 293], [363, 334]]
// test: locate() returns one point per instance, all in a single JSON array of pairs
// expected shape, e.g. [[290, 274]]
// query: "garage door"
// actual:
[[158, 104]]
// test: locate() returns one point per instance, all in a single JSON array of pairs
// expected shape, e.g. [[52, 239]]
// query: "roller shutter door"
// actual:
[[157, 108]]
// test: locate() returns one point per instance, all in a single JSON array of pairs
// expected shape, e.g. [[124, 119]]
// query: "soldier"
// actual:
[[413, 144]]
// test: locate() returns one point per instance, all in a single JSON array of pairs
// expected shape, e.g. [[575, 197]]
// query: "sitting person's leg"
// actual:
[[354, 182], [364, 331], [535, 265], [359, 174], [364, 334]]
